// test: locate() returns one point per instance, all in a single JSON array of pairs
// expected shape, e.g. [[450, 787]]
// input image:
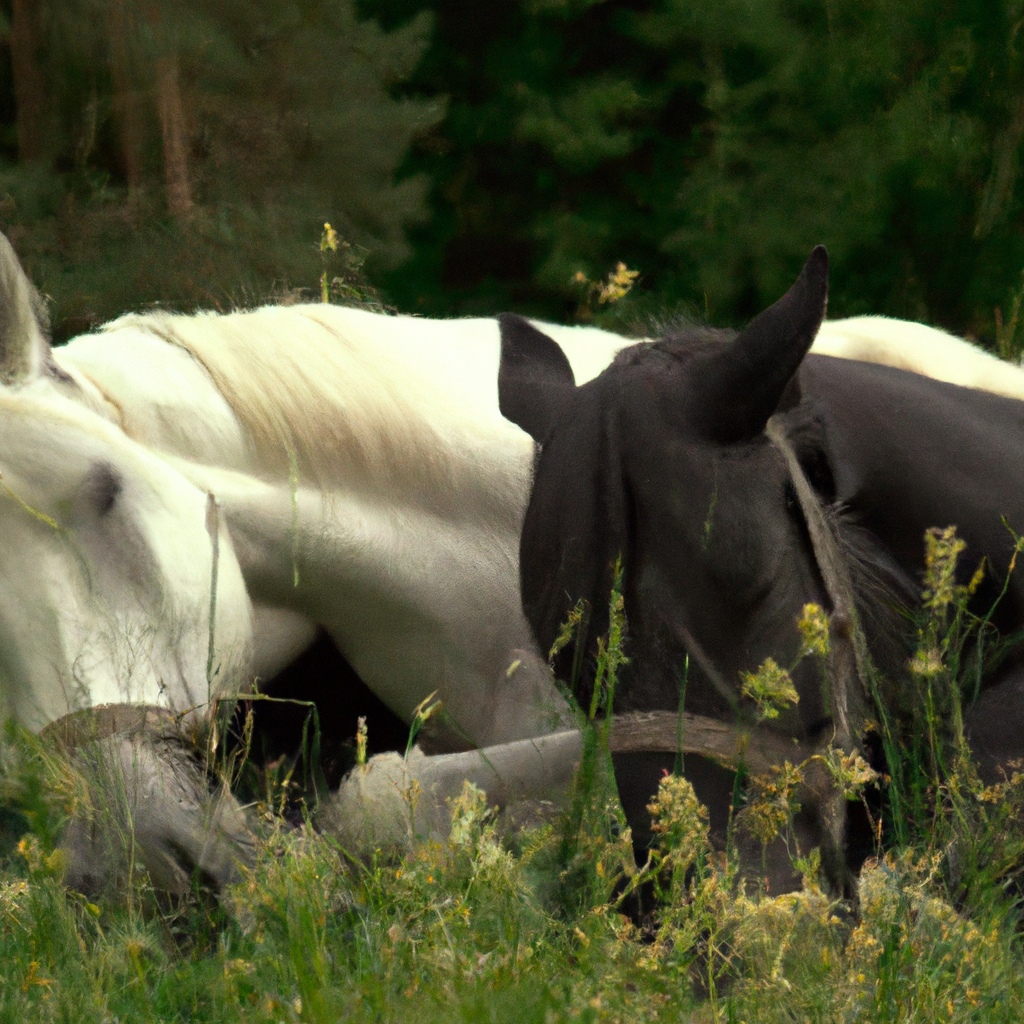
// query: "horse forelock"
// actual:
[[318, 396], [681, 347]]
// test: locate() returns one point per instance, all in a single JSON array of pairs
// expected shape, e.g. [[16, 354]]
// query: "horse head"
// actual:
[[111, 590], [118, 581], [663, 461]]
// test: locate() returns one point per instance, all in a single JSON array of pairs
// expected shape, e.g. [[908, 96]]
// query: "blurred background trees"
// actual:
[[483, 155], [189, 151]]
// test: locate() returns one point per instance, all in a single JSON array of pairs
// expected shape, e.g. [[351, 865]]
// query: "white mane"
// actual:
[[359, 399]]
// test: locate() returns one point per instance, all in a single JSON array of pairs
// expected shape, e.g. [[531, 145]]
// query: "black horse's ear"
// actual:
[[535, 379], [740, 387]]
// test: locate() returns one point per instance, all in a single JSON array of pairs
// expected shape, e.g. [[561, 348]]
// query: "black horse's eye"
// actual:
[[102, 486]]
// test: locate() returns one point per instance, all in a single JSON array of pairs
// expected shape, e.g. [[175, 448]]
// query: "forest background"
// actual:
[[481, 156]]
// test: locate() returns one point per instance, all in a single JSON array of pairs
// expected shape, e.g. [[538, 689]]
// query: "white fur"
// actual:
[[402, 520], [920, 349], [403, 524], [105, 606]]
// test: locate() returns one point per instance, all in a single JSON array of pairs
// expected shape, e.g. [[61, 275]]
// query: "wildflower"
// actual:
[[926, 662], [619, 283], [851, 772], [770, 687], [942, 549], [813, 626], [329, 239], [772, 802], [679, 821]]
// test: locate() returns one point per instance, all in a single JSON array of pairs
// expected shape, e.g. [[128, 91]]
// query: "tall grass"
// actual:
[[529, 928]]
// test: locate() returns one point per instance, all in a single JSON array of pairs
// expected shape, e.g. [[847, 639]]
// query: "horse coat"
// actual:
[[664, 459], [189, 497], [110, 560]]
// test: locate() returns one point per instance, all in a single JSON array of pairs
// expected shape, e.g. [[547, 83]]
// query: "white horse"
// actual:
[[370, 484], [109, 561], [367, 480]]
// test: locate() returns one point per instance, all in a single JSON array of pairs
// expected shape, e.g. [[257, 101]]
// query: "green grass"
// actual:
[[475, 931], [529, 928]]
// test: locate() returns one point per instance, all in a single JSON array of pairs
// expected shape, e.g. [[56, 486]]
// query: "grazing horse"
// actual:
[[370, 485], [363, 481], [686, 457], [364, 476], [120, 587]]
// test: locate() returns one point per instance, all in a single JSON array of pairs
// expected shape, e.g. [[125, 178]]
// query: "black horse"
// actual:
[[665, 460]]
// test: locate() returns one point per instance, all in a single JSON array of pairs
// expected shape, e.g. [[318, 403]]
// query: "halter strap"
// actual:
[[848, 657], [848, 654], [89, 725]]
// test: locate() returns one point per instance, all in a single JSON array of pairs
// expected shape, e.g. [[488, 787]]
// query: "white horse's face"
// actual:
[[107, 570]]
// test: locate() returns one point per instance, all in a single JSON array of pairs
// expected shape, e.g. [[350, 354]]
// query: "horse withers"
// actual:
[[686, 458]]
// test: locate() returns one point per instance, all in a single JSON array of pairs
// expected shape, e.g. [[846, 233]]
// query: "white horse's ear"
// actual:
[[23, 346]]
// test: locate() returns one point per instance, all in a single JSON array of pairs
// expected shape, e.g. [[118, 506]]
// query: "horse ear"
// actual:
[[744, 384], [23, 345], [535, 379]]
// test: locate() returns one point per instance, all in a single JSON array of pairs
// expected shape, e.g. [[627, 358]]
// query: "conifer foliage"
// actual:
[[712, 143], [491, 156], [189, 152]]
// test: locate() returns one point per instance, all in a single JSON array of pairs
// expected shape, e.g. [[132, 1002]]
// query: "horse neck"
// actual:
[[909, 453], [431, 436], [158, 394]]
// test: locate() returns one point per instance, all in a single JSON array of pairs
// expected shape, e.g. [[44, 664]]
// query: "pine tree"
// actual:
[[887, 130], [542, 168], [711, 143], [192, 151]]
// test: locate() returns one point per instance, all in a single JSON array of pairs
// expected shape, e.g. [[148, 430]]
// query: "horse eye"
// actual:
[[102, 487]]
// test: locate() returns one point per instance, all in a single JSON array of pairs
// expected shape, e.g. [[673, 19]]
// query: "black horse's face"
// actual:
[[663, 460]]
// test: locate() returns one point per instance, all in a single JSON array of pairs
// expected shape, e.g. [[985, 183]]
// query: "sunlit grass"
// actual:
[[530, 927]]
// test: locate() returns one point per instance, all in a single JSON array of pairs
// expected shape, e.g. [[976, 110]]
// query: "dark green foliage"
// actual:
[[562, 151], [712, 144], [191, 153], [707, 144]]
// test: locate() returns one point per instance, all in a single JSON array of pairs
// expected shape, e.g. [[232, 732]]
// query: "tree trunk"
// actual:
[[127, 101], [29, 88], [172, 123]]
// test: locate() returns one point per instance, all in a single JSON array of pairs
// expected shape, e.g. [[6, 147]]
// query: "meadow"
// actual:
[[529, 924]]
